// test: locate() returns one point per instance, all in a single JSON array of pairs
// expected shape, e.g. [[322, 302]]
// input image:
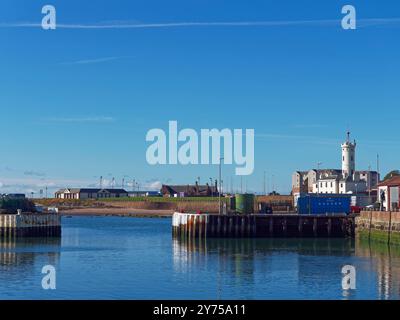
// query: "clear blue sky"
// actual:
[[77, 103]]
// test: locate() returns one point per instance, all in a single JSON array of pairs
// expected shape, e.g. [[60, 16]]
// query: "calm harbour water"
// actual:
[[128, 258]]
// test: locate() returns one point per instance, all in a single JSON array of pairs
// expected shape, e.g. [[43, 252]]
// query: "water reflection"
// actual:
[[18, 254], [193, 269], [385, 259], [310, 264], [195, 251]]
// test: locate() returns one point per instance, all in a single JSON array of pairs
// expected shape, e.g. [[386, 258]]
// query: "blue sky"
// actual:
[[76, 103]]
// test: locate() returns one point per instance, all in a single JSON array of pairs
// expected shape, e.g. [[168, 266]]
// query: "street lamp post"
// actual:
[[369, 177], [219, 191], [265, 183], [318, 165], [273, 184]]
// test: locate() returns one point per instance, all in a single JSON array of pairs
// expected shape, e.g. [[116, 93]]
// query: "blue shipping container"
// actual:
[[323, 205]]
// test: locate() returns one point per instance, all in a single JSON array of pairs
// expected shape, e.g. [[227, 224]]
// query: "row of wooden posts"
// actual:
[[204, 225]]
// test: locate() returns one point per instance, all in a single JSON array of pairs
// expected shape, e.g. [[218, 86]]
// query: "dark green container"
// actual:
[[244, 203], [232, 203]]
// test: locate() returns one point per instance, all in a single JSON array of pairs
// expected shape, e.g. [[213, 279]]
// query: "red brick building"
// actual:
[[389, 194]]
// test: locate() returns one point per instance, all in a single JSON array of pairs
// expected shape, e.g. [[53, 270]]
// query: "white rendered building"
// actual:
[[336, 181]]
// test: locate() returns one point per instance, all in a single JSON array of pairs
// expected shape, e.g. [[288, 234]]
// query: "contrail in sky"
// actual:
[[319, 23]]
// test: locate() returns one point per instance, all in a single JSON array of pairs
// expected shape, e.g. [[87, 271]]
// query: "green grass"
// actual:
[[162, 199]]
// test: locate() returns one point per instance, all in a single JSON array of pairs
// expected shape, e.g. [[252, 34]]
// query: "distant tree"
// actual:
[[274, 193], [392, 174], [12, 205]]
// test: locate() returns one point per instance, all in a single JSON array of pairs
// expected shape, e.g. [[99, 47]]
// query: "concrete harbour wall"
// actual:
[[30, 225], [383, 226]]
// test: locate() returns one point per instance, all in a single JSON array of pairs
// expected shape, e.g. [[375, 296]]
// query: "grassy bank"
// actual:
[[140, 203], [103, 202], [190, 204], [162, 199]]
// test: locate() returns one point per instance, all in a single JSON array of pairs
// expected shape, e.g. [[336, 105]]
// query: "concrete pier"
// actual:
[[30, 225], [262, 226]]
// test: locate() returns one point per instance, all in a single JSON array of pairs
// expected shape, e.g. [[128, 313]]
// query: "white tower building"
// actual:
[[348, 157]]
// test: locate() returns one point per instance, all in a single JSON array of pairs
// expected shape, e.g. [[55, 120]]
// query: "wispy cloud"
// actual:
[[309, 126], [149, 185], [96, 119], [153, 184], [34, 173], [91, 61], [28, 185], [316, 140], [298, 138], [118, 25]]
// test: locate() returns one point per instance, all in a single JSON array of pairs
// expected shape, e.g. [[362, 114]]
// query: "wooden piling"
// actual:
[[315, 227], [199, 226], [237, 224], [390, 227], [230, 230], [329, 227], [300, 226], [271, 226], [284, 227]]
